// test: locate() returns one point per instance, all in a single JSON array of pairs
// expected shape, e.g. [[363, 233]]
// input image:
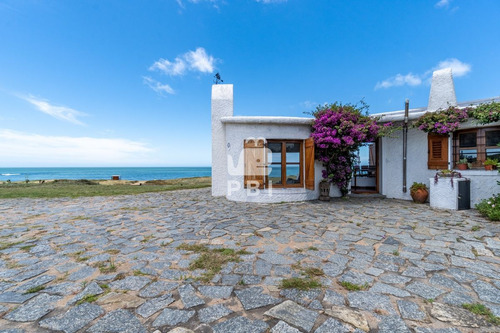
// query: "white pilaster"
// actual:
[[222, 106]]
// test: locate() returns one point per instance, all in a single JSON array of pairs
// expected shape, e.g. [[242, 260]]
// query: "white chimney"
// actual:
[[442, 90]]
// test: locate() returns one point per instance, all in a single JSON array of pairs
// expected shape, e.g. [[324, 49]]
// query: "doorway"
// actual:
[[365, 174]]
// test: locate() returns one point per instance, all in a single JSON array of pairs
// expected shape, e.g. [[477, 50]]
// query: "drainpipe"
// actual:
[[405, 143]]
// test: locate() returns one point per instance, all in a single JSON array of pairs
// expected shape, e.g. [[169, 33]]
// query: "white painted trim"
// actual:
[[267, 120]]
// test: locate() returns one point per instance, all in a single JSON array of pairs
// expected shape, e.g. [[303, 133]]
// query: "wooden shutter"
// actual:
[[255, 163], [309, 152], [437, 151]]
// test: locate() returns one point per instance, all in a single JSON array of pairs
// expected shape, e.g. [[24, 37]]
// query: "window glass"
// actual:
[[467, 140], [274, 152], [292, 152], [469, 154], [275, 175], [493, 153], [292, 174], [492, 138]]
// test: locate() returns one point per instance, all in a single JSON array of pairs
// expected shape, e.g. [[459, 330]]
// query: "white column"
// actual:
[[222, 106]]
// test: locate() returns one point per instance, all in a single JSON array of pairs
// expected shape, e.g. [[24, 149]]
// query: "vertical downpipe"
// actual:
[[405, 143]]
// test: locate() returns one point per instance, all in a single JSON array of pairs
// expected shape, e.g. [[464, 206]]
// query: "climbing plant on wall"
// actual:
[[447, 121], [338, 132]]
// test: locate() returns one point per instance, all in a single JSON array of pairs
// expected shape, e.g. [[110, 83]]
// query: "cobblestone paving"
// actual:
[[417, 266]]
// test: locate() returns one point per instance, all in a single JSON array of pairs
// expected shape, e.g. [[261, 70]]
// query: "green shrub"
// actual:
[[490, 207]]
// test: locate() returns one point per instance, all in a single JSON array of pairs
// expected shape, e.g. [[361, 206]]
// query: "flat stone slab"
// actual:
[[213, 313], [82, 273], [303, 297], [294, 314], [356, 278], [253, 298], [130, 283], [118, 321], [34, 309], [276, 259], [154, 305], [410, 310], [387, 289], [92, 289], [367, 300], [36, 282], [241, 325], [392, 324], [355, 318], [282, 327], [157, 288], [332, 326], [486, 291], [63, 289], [14, 297], [456, 316], [74, 319], [216, 291], [173, 317], [188, 296], [424, 290], [333, 298]]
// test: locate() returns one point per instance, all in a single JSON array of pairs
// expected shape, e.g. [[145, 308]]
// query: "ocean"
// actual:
[[35, 174]]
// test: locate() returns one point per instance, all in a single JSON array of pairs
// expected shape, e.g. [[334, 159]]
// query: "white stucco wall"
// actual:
[[236, 133], [442, 194], [483, 183], [392, 163]]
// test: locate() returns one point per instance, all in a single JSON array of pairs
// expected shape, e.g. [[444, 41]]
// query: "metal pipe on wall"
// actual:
[[405, 143]]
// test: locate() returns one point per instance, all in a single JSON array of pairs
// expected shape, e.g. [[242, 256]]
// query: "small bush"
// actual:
[[490, 208]]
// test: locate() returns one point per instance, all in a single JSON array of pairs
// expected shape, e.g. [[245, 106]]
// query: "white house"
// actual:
[[271, 159]]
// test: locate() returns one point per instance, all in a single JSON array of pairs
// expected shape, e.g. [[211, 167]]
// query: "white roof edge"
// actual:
[[416, 113], [267, 120]]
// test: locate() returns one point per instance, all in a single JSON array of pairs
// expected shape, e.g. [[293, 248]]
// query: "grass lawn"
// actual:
[[86, 188]]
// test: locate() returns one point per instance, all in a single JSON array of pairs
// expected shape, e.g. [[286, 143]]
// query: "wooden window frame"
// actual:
[[283, 164], [480, 144]]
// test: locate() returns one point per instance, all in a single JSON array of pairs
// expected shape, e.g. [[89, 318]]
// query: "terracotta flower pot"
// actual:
[[488, 167], [420, 195], [462, 166]]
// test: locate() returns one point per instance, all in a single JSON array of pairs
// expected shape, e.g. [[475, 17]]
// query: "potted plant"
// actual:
[[462, 164], [419, 192], [490, 164]]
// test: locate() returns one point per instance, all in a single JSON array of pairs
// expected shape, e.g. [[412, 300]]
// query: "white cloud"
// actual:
[[197, 60], [59, 112], [443, 3], [158, 86], [458, 68], [271, 1], [29, 149], [399, 80]]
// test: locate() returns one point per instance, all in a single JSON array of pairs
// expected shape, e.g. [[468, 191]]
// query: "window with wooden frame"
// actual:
[[279, 163], [476, 145], [285, 161]]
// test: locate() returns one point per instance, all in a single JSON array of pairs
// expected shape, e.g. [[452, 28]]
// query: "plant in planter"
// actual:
[[462, 164], [490, 163], [419, 192], [447, 174]]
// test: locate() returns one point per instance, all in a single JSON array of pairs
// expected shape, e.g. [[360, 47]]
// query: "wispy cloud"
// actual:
[[58, 112], [197, 60], [34, 149], [458, 68], [443, 3], [214, 3], [158, 86], [271, 1]]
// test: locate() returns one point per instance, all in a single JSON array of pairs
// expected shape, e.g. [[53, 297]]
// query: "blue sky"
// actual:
[[127, 83]]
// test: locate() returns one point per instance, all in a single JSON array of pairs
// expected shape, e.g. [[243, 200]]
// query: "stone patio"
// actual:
[[417, 266]]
